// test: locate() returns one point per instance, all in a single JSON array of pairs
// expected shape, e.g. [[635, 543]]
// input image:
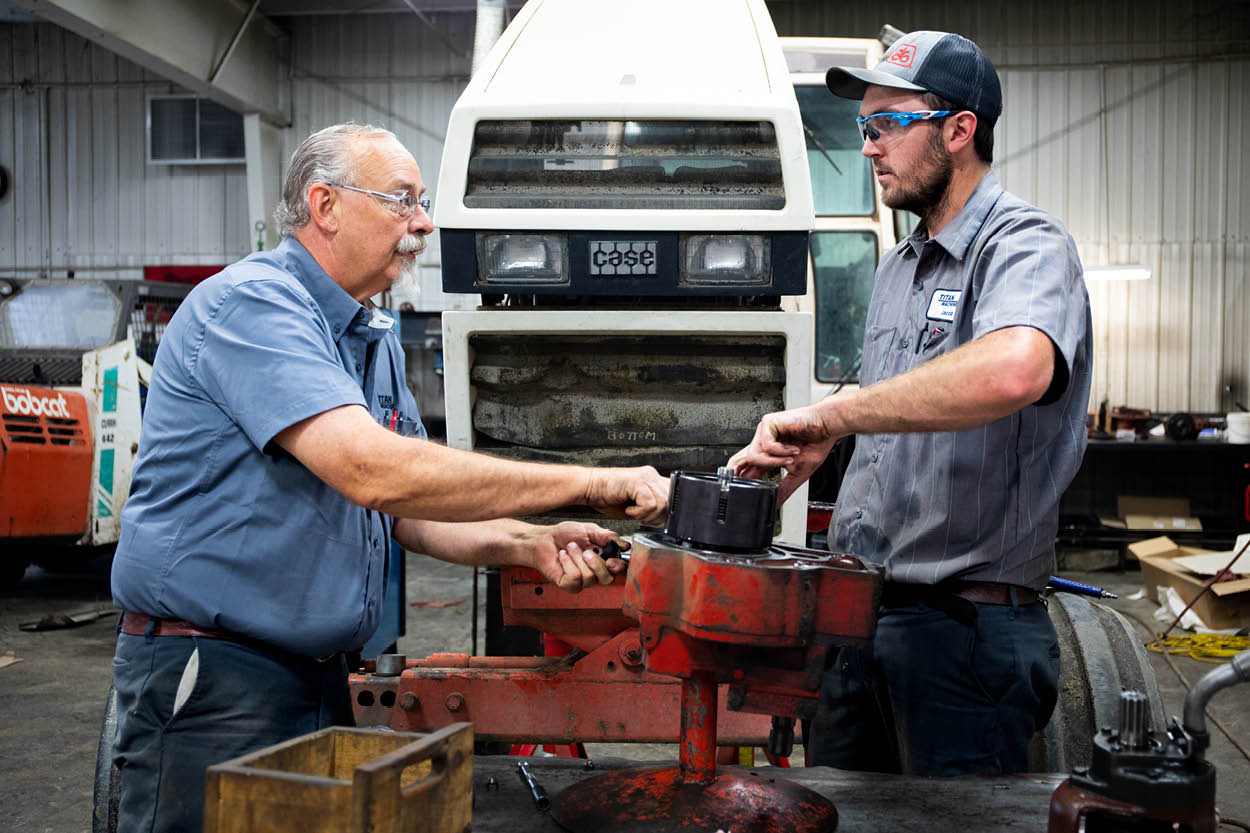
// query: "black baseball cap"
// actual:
[[936, 62]]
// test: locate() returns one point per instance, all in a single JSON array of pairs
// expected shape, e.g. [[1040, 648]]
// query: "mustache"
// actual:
[[411, 244]]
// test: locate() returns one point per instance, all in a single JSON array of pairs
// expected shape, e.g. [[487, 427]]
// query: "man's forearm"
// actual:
[[413, 478], [421, 479], [984, 380], [474, 543]]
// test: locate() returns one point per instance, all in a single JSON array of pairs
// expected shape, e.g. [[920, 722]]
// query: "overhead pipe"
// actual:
[[489, 26]]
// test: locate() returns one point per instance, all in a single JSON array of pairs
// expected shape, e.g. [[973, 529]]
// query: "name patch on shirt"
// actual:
[[943, 304]]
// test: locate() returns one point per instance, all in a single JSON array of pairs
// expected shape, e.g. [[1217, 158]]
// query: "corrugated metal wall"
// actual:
[[72, 132], [1111, 122], [1129, 121], [394, 71]]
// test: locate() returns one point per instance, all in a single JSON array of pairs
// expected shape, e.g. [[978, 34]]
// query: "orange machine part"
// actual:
[[45, 462]]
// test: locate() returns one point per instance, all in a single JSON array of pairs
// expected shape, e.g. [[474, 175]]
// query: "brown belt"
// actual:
[[136, 624], [982, 592], [993, 592]]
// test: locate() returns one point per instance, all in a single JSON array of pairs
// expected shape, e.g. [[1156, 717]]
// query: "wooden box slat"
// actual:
[[347, 781]]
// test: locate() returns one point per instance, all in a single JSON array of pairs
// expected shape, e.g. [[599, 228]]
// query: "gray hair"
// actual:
[[325, 156]]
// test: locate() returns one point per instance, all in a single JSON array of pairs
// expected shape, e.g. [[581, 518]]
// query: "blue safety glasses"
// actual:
[[880, 128]]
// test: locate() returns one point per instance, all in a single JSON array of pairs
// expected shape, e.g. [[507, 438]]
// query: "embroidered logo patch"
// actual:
[[903, 55], [943, 304]]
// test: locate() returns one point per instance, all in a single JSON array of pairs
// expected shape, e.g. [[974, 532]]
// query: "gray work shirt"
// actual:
[[980, 504], [222, 527]]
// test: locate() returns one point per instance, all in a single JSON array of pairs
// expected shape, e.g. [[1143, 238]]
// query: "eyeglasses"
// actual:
[[400, 203], [885, 128]]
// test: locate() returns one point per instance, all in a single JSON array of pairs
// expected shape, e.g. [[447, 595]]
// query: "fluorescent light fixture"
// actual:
[[1125, 272]]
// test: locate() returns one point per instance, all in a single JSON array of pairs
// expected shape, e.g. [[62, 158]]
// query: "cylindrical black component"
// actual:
[[722, 512], [781, 737]]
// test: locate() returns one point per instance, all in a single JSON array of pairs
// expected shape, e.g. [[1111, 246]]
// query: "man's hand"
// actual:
[[567, 554], [797, 440], [639, 494]]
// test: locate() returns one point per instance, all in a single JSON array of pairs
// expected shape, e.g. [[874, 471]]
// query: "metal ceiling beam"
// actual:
[[204, 46], [292, 8]]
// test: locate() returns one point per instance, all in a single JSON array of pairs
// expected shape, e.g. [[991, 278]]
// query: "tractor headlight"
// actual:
[[725, 260], [536, 259]]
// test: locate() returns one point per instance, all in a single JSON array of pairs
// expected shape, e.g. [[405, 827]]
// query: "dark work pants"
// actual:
[[236, 699], [940, 696]]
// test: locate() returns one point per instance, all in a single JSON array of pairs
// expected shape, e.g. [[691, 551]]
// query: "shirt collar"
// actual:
[[341, 310], [961, 231]]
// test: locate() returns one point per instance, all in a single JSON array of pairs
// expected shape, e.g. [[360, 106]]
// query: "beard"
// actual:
[[927, 190], [410, 272]]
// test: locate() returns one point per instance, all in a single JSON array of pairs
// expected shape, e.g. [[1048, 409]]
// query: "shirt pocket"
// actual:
[[878, 342], [933, 339]]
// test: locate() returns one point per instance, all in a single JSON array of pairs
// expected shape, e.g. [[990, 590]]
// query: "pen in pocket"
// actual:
[[929, 336]]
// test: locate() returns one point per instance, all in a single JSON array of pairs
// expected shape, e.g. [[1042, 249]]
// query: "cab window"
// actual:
[[844, 264], [842, 182]]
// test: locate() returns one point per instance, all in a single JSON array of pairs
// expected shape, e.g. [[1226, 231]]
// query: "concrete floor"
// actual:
[[52, 701]]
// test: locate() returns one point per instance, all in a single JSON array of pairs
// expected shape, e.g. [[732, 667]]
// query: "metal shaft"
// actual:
[[536, 791], [698, 728], [1134, 719], [1234, 671]]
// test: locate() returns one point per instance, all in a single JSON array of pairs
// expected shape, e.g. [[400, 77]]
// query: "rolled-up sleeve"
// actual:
[[1030, 275], [267, 359]]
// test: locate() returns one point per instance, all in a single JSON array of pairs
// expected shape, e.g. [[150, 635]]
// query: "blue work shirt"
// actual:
[[223, 528]]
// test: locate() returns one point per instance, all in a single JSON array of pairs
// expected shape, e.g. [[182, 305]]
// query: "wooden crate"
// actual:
[[347, 781]]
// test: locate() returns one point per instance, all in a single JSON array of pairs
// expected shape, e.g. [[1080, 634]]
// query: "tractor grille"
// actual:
[[677, 402], [599, 164], [32, 430]]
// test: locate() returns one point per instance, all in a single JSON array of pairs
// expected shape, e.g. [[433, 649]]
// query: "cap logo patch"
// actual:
[[903, 55]]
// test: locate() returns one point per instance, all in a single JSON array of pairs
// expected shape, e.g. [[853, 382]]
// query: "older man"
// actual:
[[280, 452], [970, 421]]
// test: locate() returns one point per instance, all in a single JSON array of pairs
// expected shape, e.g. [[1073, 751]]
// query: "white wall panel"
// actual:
[[1129, 121], [72, 129]]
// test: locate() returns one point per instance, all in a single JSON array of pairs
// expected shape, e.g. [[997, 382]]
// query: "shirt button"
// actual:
[[357, 367], [902, 344], [859, 513], [875, 456]]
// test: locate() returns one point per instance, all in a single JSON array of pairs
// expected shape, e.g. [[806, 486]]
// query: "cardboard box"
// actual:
[[1156, 514], [1226, 605]]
